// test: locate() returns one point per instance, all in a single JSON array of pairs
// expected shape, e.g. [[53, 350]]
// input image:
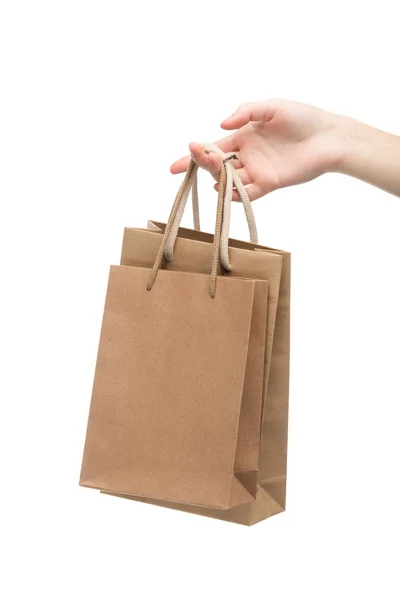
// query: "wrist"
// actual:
[[368, 154], [346, 138], [354, 139]]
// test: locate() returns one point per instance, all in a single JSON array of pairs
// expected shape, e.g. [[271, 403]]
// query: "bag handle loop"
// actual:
[[232, 178], [180, 198]]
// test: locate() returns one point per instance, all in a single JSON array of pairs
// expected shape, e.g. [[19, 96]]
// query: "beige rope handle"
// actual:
[[232, 179], [195, 205], [184, 190]]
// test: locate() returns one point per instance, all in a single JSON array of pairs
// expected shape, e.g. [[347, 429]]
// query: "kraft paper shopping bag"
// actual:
[[259, 466]]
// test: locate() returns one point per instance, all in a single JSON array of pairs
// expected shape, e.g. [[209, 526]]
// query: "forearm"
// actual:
[[370, 155]]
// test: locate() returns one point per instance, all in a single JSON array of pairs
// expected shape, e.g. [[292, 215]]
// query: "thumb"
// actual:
[[252, 111]]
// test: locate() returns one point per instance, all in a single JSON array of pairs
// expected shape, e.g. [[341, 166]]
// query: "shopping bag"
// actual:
[[192, 253], [275, 265], [178, 393]]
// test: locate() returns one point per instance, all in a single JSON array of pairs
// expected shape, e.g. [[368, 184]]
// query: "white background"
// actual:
[[97, 99]]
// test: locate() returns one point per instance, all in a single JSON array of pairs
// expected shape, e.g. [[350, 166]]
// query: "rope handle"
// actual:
[[180, 199], [232, 178]]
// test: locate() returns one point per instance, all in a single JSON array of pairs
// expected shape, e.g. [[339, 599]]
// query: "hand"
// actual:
[[280, 143]]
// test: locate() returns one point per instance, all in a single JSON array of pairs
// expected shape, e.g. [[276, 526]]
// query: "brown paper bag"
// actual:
[[192, 253], [276, 380], [168, 388], [245, 494]]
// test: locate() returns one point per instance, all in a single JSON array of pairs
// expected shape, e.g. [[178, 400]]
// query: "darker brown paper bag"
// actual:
[[189, 406]]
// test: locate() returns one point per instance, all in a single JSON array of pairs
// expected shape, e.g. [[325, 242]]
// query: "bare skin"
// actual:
[[282, 143]]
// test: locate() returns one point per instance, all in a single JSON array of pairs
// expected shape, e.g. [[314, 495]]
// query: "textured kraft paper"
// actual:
[[192, 253], [172, 417]]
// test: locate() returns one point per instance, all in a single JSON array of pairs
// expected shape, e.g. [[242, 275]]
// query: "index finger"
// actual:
[[180, 166], [227, 144]]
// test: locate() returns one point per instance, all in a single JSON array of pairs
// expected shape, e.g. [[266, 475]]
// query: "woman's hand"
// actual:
[[280, 143]]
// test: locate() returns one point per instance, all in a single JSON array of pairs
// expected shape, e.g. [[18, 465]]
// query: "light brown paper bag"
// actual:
[[172, 417], [168, 389], [192, 253], [272, 474], [269, 369]]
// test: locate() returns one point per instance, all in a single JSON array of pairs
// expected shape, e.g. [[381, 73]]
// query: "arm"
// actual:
[[282, 143], [370, 155]]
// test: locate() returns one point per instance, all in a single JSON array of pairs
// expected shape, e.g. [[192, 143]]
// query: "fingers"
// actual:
[[254, 192], [180, 166], [228, 143], [244, 177], [209, 161], [252, 111], [212, 163]]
